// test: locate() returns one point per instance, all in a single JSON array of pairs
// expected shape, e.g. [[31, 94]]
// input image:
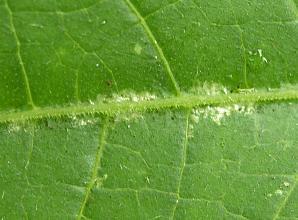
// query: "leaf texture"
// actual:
[[131, 109]]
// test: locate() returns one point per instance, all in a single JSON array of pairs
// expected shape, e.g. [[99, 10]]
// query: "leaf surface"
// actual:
[[135, 109]]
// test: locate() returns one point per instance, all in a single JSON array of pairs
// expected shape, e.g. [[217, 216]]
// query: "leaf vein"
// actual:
[[284, 202], [23, 69], [183, 162], [96, 166], [185, 101], [241, 45], [155, 45]]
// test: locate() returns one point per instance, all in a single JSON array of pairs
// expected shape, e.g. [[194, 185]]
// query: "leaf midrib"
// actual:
[[184, 101]]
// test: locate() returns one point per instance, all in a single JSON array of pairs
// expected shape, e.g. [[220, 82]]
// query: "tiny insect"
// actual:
[[109, 82]]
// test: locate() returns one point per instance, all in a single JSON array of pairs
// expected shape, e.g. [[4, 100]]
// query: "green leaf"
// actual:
[[131, 109]]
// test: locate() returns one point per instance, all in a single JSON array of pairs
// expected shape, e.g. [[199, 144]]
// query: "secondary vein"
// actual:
[[183, 162], [94, 171], [284, 202], [155, 45], [25, 76]]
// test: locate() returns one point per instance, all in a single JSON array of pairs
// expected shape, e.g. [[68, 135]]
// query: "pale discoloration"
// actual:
[[79, 122], [138, 49], [218, 113], [210, 89], [128, 97]]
